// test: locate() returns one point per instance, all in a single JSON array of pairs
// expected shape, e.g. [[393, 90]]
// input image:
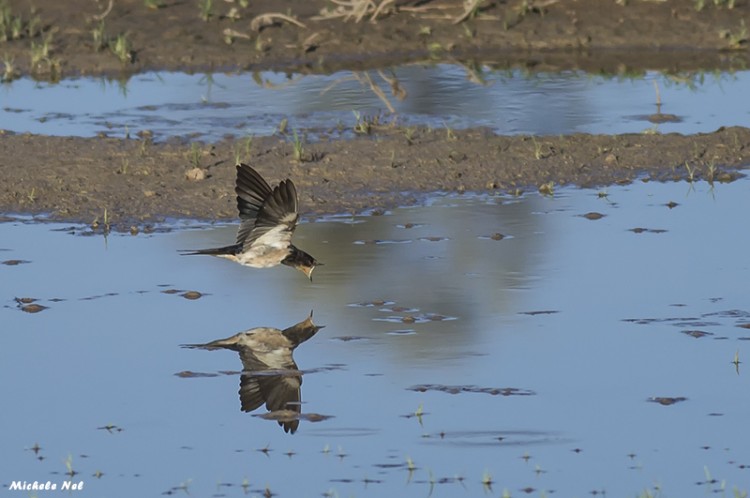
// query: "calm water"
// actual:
[[579, 321], [211, 106]]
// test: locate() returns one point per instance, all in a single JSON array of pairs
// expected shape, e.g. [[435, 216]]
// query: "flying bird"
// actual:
[[268, 219], [269, 373]]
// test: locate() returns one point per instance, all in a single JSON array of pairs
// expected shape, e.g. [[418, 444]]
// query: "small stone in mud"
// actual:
[[610, 159], [25, 300], [408, 225], [408, 319], [133, 230], [192, 295], [593, 216], [666, 401], [195, 174], [497, 236], [15, 262], [170, 291], [33, 308], [671, 204]]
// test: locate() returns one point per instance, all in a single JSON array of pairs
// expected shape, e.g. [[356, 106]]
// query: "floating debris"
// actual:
[[15, 262], [433, 239], [646, 230], [696, 333], [666, 401], [371, 304], [540, 312], [381, 242], [494, 391], [593, 216], [187, 374]]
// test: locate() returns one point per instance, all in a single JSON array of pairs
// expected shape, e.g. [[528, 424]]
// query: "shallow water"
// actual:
[[214, 105], [532, 357]]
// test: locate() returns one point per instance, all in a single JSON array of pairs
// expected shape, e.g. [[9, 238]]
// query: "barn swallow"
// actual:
[[268, 219], [269, 373]]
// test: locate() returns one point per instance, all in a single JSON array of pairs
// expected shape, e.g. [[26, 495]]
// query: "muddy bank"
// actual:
[[121, 37], [138, 182]]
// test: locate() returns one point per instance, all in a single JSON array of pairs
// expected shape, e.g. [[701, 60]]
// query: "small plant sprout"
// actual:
[[153, 4], [547, 188], [711, 172], [195, 154], [299, 147], [69, 466], [205, 7], [361, 126], [690, 172], [283, 125], [99, 36], [736, 40], [487, 480], [537, 148], [409, 134], [419, 413], [121, 47], [9, 71], [736, 362], [449, 135]]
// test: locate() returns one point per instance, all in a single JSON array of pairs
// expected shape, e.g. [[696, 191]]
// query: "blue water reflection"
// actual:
[[586, 318], [212, 106]]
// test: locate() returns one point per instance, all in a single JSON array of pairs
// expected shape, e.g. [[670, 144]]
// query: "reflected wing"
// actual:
[[278, 391]]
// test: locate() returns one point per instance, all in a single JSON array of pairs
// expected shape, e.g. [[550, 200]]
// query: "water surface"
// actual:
[[210, 106], [534, 359]]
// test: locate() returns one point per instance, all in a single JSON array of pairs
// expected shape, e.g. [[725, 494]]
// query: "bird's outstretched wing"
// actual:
[[269, 216], [252, 191]]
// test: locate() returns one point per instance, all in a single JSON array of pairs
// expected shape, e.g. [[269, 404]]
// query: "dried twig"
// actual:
[[270, 18], [104, 14]]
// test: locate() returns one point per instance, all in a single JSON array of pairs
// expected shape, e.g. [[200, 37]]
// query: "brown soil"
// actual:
[[138, 182]]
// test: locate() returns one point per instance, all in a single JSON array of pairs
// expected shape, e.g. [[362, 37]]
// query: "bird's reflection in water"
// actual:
[[269, 373]]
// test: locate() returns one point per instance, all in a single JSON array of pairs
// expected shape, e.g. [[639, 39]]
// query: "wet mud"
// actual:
[[130, 185], [130, 36]]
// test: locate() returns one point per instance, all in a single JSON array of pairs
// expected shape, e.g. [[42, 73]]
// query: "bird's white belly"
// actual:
[[262, 257]]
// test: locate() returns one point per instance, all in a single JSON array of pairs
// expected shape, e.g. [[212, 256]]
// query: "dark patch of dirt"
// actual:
[[131, 183], [138, 183], [593, 35]]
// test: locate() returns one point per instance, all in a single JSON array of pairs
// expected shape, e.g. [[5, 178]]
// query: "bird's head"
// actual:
[[302, 261]]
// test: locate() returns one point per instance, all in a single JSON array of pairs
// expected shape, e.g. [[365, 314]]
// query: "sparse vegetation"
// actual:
[[206, 9], [99, 36], [299, 147], [153, 4], [9, 70], [14, 27], [736, 39], [122, 48]]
